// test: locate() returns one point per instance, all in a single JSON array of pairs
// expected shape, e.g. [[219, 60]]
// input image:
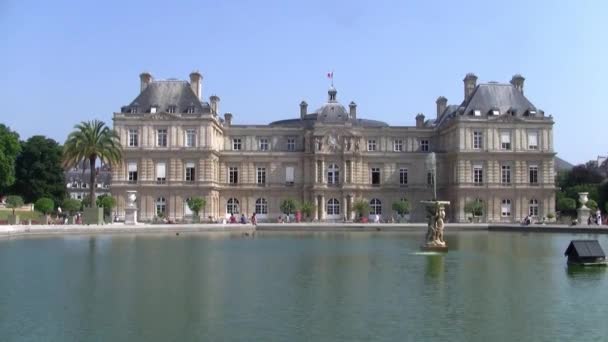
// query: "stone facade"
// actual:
[[495, 146]]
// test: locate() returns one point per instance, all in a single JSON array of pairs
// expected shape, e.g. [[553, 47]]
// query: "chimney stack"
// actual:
[[145, 78], [518, 82], [227, 119], [196, 83], [470, 81], [353, 110], [419, 120], [303, 109], [214, 100], [442, 103]]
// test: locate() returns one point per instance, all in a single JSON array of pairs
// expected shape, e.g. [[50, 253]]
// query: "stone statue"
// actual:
[[357, 145], [434, 235], [318, 143]]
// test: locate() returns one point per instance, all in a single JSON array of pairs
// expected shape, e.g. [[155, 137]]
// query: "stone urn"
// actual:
[[583, 212]]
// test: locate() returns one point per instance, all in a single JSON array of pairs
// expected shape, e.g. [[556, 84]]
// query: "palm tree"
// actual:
[[92, 140]]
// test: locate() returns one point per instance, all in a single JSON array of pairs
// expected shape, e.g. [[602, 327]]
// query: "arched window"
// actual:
[[333, 174], [533, 209], [261, 206], [333, 207], [161, 206], [232, 206], [375, 206]]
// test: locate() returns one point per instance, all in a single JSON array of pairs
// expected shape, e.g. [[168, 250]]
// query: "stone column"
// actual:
[[316, 202], [322, 207], [344, 207]]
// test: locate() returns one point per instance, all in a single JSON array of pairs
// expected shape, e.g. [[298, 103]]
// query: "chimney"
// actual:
[[470, 81], [228, 119], [353, 110], [196, 83], [303, 109], [442, 103], [518, 82], [215, 105], [145, 78], [419, 120]]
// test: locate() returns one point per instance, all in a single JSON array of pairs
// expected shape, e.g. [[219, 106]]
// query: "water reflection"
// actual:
[[435, 265]]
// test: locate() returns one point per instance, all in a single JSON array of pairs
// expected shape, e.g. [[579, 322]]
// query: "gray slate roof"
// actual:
[[562, 165], [168, 93], [585, 248]]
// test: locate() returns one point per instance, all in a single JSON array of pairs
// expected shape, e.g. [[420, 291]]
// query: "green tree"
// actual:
[[90, 141], [474, 207], [14, 202], [9, 149], [566, 205], [106, 202], [582, 174], [71, 205], [591, 204], [307, 208], [38, 170], [288, 206], [361, 207], [196, 204], [44, 205], [402, 207]]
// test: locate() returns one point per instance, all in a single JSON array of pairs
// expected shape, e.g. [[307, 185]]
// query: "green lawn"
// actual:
[[23, 215]]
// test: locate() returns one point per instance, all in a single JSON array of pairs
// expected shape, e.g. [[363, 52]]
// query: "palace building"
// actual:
[[493, 146]]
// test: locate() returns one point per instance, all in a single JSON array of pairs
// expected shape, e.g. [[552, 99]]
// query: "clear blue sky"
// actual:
[[67, 61]]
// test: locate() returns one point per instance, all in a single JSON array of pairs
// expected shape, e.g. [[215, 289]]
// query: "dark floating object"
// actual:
[[586, 253], [177, 234]]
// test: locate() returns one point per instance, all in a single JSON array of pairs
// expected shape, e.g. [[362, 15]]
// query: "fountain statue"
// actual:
[[131, 208], [435, 213]]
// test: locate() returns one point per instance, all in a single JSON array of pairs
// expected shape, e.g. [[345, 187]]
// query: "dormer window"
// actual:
[[134, 109], [494, 111], [171, 109], [153, 109], [477, 112], [531, 112], [190, 110]]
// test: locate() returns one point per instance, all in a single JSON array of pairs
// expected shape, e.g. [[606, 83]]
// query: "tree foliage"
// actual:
[[90, 141], [591, 204], [307, 208], [9, 149], [402, 207], [71, 205], [196, 204], [44, 205], [474, 207], [288, 206], [106, 202], [361, 207], [38, 170], [14, 202], [581, 174], [566, 205]]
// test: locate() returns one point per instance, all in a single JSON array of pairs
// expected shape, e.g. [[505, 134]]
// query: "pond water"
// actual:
[[363, 286]]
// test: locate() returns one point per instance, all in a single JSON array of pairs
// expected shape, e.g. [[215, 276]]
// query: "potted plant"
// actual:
[[14, 202], [361, 209], [288, 207], [196, 204], [402, 207], [107, 203], [71, 206], [45, 206], [550, 217], [475, 208], [307, 208]]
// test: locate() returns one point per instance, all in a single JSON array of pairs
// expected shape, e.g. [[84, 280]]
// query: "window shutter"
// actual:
[[132, 167], [160, 170], [505, 137], [289, 177], [532, 139], [189, 165]]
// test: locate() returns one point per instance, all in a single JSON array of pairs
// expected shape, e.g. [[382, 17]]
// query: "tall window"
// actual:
[[375, 171], [533, 140], [161, 137], [333, 174], [505, 140], [161, 173], [236, 144], [190, 138], [190, 172], [424, 145], [533, 174], [333, 207], [398, 145], [505, 174], [429, 178], [477, 140], [505, 208], [375, 207], [132, 172], [291, 144], [232, 206], [133, 138], [477, 174], [371, 145], [261, 206], [263, 144], [533, 208], [261, 175], [289, 175], [233, 175], [161, 206], [403, 176]]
